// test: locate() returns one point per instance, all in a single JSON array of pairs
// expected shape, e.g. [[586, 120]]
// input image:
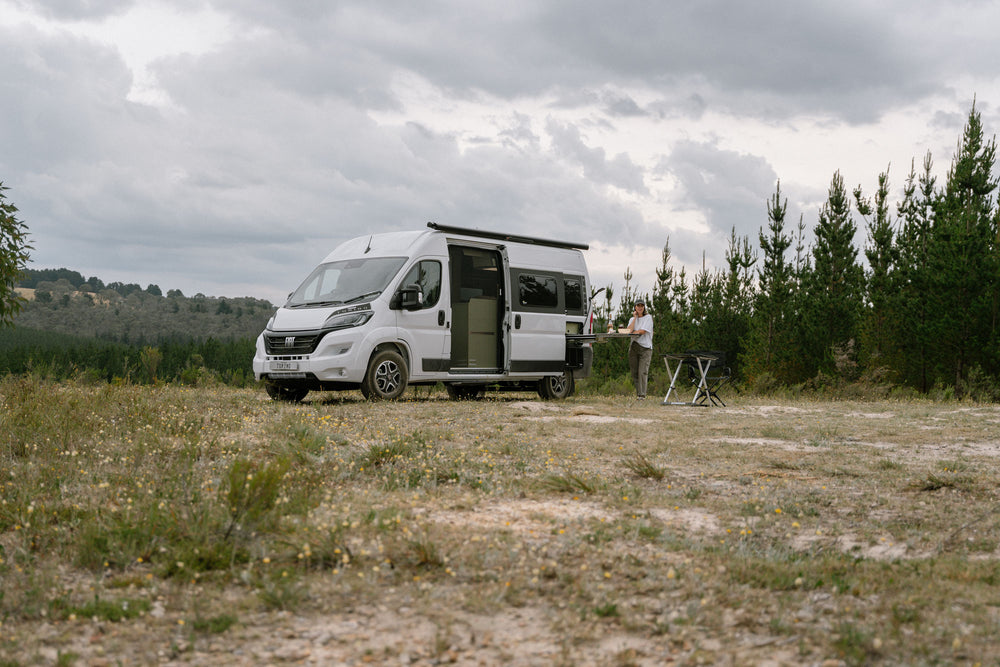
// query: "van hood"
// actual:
[[301, 319]]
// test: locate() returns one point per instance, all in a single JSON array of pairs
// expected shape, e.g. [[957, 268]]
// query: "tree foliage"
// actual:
[[116, 331], [922, 311], [768, 345], [14, 255], [833, 289], [962, 258]]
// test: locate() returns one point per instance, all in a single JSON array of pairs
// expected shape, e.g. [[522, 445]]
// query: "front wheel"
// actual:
[[556, 387], [386, 377]]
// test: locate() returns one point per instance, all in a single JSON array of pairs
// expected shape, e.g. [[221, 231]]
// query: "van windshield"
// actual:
[[345, 281]]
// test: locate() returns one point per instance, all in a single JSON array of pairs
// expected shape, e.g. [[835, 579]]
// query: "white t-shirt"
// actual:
[[646, 324]]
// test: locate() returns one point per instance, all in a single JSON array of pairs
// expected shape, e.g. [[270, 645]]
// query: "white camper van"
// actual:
[[469, 308]]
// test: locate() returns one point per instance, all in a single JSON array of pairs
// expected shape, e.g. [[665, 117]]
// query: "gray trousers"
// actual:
[[638, 362]]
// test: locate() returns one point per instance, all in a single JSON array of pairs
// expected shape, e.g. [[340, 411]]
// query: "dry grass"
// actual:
[[205, 526]]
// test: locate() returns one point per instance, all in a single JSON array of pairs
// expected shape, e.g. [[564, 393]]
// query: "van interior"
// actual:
[[476, 313]]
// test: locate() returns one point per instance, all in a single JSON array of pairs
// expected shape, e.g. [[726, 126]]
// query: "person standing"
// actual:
[[640, 350]]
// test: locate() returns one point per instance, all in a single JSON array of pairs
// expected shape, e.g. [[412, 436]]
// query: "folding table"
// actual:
[[699, 361]]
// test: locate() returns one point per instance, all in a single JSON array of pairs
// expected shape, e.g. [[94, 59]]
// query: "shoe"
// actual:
[[640, 398]]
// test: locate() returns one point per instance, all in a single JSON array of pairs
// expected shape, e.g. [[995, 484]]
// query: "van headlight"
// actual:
[[345, 319]]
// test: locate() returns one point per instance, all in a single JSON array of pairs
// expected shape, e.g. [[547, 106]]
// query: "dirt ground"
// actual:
[[789, 449]]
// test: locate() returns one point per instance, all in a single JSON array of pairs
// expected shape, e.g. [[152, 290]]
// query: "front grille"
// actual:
[[291, 343]]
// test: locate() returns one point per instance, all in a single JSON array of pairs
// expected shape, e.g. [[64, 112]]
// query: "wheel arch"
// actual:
[[398, 347]]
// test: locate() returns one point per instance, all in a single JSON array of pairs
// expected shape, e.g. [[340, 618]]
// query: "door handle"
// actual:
[[440, 318], [517, 321]]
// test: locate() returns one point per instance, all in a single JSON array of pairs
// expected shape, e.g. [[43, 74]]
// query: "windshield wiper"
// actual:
[[366, 295], [315, 304]]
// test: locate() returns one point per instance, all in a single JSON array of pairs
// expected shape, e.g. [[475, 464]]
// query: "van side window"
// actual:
[[537, 291], [427, 274], [574, 295]]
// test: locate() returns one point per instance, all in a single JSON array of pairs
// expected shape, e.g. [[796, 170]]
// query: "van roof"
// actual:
[[388, 244], [403, 244], [504, 236]]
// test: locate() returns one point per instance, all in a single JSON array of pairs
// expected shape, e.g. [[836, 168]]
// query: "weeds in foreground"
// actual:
[[282, 591], [252, 492], [207, 502], [214, 625], [566, 483], [107, 610], [639, 465]]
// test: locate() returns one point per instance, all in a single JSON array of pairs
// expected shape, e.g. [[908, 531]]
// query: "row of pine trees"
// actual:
[[920, 310]]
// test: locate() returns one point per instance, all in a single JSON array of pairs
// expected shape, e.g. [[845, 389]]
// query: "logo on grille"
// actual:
[[289, 341]]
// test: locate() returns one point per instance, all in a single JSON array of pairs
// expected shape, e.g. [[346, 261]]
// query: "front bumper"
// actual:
[[336, 356]]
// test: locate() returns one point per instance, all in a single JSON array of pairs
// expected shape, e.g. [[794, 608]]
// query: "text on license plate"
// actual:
[[284, 365]]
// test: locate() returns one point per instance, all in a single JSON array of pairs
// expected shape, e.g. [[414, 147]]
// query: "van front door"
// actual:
[[424, 325]]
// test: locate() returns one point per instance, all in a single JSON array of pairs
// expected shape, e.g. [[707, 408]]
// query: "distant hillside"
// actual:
[[62, 301]]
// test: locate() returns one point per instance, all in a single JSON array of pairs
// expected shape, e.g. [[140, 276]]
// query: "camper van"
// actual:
[[469, 308]]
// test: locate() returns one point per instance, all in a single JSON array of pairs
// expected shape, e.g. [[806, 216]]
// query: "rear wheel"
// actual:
[[386, 377], [556, 387], [282, 393]]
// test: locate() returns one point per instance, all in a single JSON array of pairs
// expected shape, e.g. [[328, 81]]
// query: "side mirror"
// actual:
[[411, 297]]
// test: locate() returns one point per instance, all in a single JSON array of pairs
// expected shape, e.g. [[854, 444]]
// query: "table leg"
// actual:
[[673, 379], [702, 389]]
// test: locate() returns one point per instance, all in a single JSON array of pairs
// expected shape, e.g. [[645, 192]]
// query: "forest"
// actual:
[[75, 327], [915, 310], [918, 311]]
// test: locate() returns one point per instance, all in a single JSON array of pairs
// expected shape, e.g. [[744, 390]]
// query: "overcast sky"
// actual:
[[225, 146]]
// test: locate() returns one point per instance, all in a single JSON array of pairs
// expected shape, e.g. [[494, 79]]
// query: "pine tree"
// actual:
[[737, 300], [767, 343], [682, 336], [910, 292], [962, 257], [662, 306], [626, 304], [876, 333], [834, 287]]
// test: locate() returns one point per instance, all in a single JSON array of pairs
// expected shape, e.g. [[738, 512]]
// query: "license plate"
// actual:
[[284, 365]]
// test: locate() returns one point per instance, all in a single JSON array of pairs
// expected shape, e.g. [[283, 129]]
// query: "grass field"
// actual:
[[145, 525]]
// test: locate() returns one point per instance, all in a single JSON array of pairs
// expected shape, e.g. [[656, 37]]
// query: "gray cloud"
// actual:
[[271, 147], [77, 9], [746, 56], [729, 188], [619, 171]]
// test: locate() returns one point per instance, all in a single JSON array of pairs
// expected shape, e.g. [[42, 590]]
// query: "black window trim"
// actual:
[[515, 283], [582, 310], [441, 278]]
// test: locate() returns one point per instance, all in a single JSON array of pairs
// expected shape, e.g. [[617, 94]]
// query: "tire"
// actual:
[[464, 392], [556, 387], [280, 393], [386, 377]]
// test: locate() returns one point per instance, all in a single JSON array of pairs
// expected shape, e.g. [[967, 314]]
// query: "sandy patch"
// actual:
[[773, 409], [772, 443], [532, 406], [692, 519], [521, 516], [593, 419], [872, 415], [884, 549], [936, 452], [581, 413]]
